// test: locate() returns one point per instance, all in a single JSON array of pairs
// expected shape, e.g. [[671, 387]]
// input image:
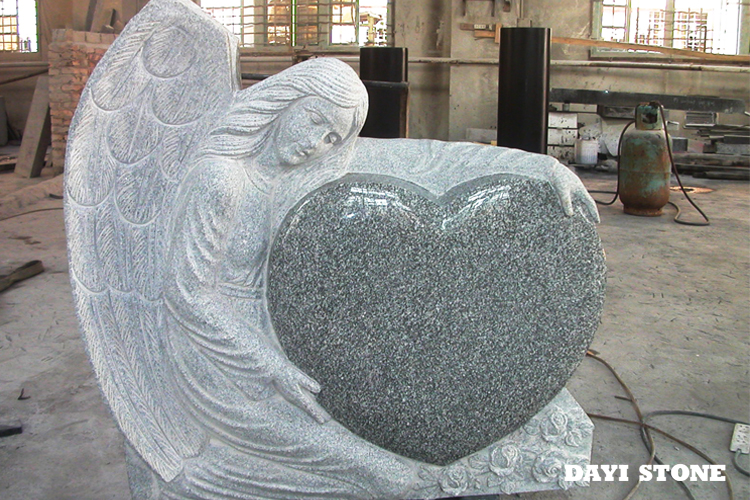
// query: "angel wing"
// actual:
[[147, 104]]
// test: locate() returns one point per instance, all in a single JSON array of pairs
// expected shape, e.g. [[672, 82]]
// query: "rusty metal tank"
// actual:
[[644, 164]]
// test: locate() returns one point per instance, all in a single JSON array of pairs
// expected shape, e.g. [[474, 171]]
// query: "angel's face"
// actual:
[[311, 128]]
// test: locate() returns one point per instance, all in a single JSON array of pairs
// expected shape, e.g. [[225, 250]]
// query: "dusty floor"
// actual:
[[676, 327]]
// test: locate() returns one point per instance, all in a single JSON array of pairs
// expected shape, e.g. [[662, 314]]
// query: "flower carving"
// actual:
[[531, 427], [509, 487], [454, 480], [574, 437], [554, 427], [503, 460], [557, 428], [552, 439], [549, 467]]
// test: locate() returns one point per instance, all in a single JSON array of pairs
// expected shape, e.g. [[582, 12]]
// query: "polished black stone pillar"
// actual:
[[523, 90], [388, 113]]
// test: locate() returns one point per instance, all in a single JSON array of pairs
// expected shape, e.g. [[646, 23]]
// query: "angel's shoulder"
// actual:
[[216, 174]]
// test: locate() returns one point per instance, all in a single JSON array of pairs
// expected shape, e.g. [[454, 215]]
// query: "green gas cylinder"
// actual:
[[644, 163]]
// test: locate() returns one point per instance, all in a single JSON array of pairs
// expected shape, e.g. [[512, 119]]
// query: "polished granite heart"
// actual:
[[435, 326]]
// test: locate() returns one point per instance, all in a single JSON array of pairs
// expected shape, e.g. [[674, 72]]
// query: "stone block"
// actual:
[[563, 120], [562, 136]]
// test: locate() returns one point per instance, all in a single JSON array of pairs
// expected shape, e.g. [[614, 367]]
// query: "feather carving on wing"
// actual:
[[146, 106]]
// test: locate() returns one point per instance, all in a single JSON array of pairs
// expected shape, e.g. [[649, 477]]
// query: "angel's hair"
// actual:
[[247, 125]]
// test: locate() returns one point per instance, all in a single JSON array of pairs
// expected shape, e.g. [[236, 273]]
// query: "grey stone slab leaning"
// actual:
[[181, 188]]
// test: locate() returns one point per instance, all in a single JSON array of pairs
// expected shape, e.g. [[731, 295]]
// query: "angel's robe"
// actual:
[[220, 336]]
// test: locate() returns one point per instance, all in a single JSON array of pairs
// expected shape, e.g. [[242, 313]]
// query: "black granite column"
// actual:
[[387, 116], [523, 93]]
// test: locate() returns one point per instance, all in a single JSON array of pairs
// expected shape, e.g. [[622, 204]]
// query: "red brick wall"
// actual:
[[72, 57]]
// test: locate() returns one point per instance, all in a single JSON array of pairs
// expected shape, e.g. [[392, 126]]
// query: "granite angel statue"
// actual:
[[175, 182]]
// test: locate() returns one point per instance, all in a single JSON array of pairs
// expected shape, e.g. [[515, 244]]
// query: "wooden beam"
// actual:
[[651, 48], [37, 134]]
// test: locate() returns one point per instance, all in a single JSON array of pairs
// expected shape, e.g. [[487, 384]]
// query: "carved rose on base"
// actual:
[[549, 467], [454, 480], [554, 427], [504, 459], [536, 454]]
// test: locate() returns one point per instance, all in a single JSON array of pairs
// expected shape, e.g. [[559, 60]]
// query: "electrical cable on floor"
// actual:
[[679, 181], [681, 484], [694, 414], [709, 416], [737, 466], [730, 490], [673, 167], [648, 438], [638, 413], [30, 212]]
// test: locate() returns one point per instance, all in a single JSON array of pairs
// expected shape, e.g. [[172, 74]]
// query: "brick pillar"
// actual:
[[72, 57]]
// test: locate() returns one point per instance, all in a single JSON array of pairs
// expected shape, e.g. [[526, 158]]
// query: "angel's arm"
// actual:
[[439, 166], [206, 212]]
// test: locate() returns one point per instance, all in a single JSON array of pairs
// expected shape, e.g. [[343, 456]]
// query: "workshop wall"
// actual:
[[445, 99], [425, 28], [473, 88]]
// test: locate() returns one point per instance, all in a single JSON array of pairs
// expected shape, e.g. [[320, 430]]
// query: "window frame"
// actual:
[[324, 30], [41, 53], [609, 53]]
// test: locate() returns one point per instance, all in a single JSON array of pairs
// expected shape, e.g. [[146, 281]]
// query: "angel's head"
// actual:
[[310, 111]]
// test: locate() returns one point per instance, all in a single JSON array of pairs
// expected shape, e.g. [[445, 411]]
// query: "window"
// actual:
[[18, 31], [701, 25], [302, 23]]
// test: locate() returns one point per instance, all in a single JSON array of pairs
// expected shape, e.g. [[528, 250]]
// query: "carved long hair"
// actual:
[[249, 122]]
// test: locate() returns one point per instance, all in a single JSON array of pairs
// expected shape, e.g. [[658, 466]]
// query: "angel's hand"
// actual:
[[569, 187], [298, 389]]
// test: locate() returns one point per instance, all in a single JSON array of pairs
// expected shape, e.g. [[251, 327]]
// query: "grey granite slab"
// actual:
[[435, 326]]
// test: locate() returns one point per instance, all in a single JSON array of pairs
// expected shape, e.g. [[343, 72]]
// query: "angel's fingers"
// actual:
[[307, 382], [308, 403], [565, 199], [589, 205], [593, 211]]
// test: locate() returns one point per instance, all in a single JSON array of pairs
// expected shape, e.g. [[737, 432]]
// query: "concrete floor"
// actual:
[[676, 327]]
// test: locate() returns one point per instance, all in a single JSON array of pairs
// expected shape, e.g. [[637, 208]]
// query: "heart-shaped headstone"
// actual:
[[435, 326]]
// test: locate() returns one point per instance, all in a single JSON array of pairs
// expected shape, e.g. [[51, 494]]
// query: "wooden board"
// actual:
[[37, 135], [651, 48]]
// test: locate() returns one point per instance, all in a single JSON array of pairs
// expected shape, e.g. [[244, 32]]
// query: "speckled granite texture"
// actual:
[[452, 322], [435, 326]]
